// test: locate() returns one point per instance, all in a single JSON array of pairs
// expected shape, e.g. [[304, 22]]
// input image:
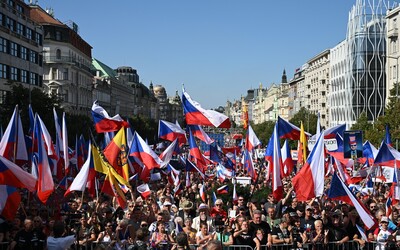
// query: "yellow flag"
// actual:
[[116, 153], [303, 141]]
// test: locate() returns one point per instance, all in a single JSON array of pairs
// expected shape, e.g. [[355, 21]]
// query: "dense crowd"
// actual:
[[165, 220]]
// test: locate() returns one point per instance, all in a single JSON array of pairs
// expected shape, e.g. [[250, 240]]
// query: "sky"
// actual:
[[217, 49]]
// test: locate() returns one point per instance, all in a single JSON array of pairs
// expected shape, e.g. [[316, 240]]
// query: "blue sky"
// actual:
[[217, 48]]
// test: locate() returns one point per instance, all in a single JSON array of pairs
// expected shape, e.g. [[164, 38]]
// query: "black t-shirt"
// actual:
[[245, 239], [32, 240], [307, 224], [263, 225], [279, 233], [336, 233]]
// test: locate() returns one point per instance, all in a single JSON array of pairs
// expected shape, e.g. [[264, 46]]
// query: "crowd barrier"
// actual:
[[350, 245]]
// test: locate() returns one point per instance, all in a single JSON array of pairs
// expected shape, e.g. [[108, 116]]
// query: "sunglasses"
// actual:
[[218, 205], [144, 225]]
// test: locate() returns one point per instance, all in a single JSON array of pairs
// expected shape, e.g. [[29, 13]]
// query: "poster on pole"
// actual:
[[352, 144]]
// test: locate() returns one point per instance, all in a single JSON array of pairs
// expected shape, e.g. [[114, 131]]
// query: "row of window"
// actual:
[[20, 75], [20, 51], [20, 29]]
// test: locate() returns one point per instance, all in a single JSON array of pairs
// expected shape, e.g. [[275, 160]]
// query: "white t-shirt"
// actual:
[[62, 243]]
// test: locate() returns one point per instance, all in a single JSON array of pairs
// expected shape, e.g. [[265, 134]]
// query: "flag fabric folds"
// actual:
[[287, 130], [223, 189], [196, 115], [251, 139], [198, 132], [339, 191], [309, 181], [104, 122], [287, 162], [116, 153], [10, 200], [141, 150], [144, 190], [171, 131]]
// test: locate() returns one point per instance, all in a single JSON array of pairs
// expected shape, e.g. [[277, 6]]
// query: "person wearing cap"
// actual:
[[203, 217], [383, 235], [336, 234], [307, 222]]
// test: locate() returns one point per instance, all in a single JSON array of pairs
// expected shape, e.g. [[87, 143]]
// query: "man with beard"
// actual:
[[337, 236]]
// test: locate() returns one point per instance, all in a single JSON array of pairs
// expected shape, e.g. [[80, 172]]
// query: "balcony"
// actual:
[[393, 33], [61, 59]]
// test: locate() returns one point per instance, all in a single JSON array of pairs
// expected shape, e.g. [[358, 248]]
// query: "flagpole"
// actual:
[[16, 134]]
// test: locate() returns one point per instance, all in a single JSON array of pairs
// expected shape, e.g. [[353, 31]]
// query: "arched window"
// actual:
[[58, 54]]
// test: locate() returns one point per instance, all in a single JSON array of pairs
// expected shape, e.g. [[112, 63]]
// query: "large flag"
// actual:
[[275, 165], [116, 153], [249, 165], [141, 150], [59, 171], [15, 176], [287, 130], [81, 180], [12, 144], [48, 142], [339, 191], [196, 115], [171, 131], [333, 131], [198, 132], [104, 122], [195, 152], [309, 181], [395, 188], [45, 185], [10, 199], [190, 167], [252, 140], [112, 188], [387, 155]]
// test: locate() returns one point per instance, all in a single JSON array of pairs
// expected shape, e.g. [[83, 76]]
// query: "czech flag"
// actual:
[[249, 166], [286, 130], [141, 150], [339, 191], [9, 201], [198, 132], [144, 190], [287, 162], [386, 155], [333, 131], [223, 190], [309, 181], [252, 140], [202, 193], [196, 115], [171, 131], [104, 122]]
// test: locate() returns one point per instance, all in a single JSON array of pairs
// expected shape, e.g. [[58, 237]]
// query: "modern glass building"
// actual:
[[358, 78]]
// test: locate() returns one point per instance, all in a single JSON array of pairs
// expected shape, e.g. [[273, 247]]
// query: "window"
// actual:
[[20, 10], [24, 53], [3, 45], [1, 19], [3, 71], [28, 33], [58, 54], [20, 29], [33, 78], [13, 49], [38, 38], [58, 35], [24, 76], [33, 57], [10, 23], [65, 74], [14, 74], [11, 5]]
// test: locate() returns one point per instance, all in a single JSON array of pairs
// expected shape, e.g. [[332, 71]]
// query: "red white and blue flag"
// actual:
[[309, 181], [10, 200], [144, 190], [202, 193], [142, 151], [196, 115], [198, 132], [287, 162], [252, 140], [171, 131], [223, 190], [339, 191], [249, 165], [105, 123], [287, 130]]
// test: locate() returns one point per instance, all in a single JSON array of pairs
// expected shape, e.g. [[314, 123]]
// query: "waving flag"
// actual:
[[286, 130], [167, 154], [144, 190], [195, 152], [202, 193], [59, 148], [249, 165], [287, 162], [309, 181], [190, 167], [12, 144], [10, 200], [275, 165], [198, 132], [104, 122], [13, 175], [388, 137], [223, 190], [339, 191], [141, 150], [171, 131], [245, 115], [386, 155], [333, 131], [65, 143], [45, 185], [395, 188], [48, 142], [112, 188], [196, 115], [234, 195], [251, 139], [117, 154], [80, 181], [303, 145]]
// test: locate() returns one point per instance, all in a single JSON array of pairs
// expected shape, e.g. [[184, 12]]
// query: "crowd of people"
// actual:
[[165, 220]]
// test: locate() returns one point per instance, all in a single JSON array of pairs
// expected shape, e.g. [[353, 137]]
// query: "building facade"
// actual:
[[21, 44], [67, 63], [392, 51]]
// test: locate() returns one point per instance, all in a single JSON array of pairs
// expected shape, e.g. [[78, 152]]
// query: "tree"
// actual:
[[147, 128], [264, 131], [309, 120]]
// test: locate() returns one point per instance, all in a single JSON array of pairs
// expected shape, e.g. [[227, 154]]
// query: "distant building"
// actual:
[[21, 44], [170, 108], [67, 63]]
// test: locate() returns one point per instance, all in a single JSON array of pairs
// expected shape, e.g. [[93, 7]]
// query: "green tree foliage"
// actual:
[[309, 120], [40, 102], [264, 131], [147, 128]]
